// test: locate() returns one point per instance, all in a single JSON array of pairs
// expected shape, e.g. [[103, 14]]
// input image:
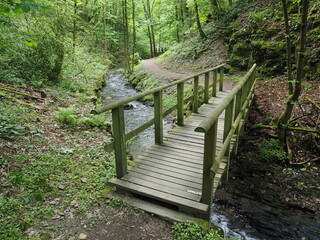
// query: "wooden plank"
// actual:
[[189, 149], [164, 182], [192, 206], [186, 144], [186, 133], [162, 188], [176, 152], [162, 212], [177, 149], [182, 160], [168, 178], [157, 166], [166, 162], [184, 139], [147, 168]]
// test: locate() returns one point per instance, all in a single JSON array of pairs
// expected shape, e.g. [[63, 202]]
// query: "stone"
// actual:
[[83, 236]]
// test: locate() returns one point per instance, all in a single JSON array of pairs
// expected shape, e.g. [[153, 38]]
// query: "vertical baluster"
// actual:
[[214, 83], [236, 113], [210, 143], [228, 120], [195, 94], [221, 79], [206, 87], [119, 141], [180, 103], [158, 117]]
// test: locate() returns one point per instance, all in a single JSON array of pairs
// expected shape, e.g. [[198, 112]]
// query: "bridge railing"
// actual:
[[235, 105], [118, 123]]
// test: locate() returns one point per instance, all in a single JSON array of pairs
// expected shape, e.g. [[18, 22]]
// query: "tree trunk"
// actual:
[[74, 32], [215, 6], [148, 8], [288, 38], [134, 33], [105, 44], [125, 36], [202, 35], [292, 98]]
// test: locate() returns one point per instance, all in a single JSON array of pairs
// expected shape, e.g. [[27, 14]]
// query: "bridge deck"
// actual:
[[172, 172]]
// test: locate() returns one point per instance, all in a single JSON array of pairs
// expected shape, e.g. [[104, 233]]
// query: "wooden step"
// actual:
[[187, 204]]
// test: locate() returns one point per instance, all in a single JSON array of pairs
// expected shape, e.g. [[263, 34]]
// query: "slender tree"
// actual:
[[296, 88], [201, 32]]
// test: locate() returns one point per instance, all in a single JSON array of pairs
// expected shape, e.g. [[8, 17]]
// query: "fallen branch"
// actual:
[[311, 160], [260, 125], [20, 93], [313, 102]]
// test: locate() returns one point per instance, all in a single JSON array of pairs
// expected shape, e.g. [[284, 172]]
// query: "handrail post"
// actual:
[[210, 143], [180, 104], [119, 141], [206, 87], [214, 83], [195, 94], [221, 79], [158, 117], [237, 110], [228, 121]]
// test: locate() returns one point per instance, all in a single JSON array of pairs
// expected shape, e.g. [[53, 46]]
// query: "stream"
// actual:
[[117, 87]]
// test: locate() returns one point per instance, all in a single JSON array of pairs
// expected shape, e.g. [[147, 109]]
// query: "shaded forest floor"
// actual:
[[280, 201]]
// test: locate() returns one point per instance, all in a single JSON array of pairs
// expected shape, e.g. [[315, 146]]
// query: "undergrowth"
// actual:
[[190, 230], [52, 167]]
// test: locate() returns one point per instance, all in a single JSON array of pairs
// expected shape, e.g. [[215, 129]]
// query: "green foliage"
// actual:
[[10, 220], [270, 150], [11, 121], [96, 121], [67, 117], [117, 203], [190, 230]]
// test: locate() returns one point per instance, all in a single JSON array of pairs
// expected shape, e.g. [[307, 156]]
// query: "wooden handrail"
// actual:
[[124, 101], [235, 105], [205, 125]]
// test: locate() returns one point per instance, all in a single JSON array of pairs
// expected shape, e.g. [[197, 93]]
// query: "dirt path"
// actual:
[[152, 67]]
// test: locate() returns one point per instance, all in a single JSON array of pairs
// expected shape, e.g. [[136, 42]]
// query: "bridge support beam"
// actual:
[[158, 117], [119, 141], [195, 94], [180, 103], [210, 144]]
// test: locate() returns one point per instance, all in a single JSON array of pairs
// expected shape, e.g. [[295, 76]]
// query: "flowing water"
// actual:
[[117, 87]]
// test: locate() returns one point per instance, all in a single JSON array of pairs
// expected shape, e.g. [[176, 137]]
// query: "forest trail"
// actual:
[[152, 67]]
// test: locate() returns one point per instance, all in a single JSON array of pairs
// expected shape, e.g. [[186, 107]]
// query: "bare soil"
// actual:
[[108, 223], [159, 70]]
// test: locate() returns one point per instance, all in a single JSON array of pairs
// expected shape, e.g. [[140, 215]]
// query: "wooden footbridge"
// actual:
[[184, 167]]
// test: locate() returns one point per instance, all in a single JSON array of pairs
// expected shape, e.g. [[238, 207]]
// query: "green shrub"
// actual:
[[96, 121], [11, 121], [190, 230], [67, 117], [187, 231], [270, 150]]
